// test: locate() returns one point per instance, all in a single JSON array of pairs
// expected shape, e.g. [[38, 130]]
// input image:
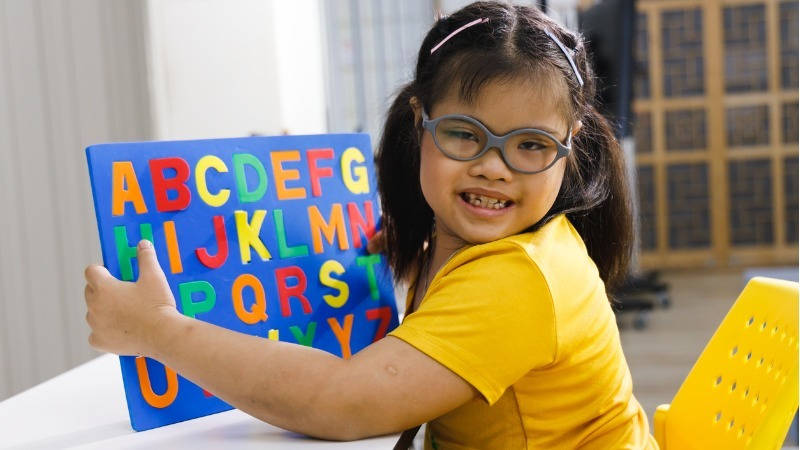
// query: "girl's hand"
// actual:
[[123, 315], [378, 243]]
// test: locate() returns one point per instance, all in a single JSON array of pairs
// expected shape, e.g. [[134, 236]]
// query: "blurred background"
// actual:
[[704, 95]]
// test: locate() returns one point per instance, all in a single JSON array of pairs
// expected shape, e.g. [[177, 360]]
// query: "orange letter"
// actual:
[[153, 399], [175, 264], [342, 335], [320, 227], [122, 176], [259, 311], [281, 175]]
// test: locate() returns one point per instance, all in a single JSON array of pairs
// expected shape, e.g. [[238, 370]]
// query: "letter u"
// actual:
[[153, 399]]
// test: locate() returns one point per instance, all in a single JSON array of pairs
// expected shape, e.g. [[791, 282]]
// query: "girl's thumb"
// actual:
[[148, 261]]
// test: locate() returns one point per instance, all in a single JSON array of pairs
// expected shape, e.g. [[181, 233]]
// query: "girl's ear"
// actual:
[[576, 127]]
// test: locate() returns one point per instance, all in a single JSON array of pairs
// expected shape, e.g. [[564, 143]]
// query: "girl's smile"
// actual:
[[483, 200]]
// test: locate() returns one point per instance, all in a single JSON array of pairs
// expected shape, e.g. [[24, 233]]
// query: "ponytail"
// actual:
[[408, 220], [594, 196]]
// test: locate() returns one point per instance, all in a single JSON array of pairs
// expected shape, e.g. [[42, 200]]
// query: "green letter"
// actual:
[[190, 308], [369, 261], [126, 253], [304, 339], [284, 250], [240, 160]]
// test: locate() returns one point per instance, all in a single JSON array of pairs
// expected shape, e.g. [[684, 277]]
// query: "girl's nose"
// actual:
[[491, 166]]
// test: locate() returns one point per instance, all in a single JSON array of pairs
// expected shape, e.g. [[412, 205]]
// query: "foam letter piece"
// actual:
[[191, 308], [281, 175], [306, 339], [126, 253], [273, 335], [314, 172], [205, 163], [175, 263], [335, 301], [248, 234], [285, 292], [259, 311], [359, 184], [178, 183], [156, 400], [369, 261], [333, 228], [343, 334], [384, 313], [284, 250], [213, 262], [357, 222], [125, 188], [240, 160]]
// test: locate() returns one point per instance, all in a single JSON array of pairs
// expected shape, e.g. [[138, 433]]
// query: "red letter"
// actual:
[[385, 314], [314, 172], [178, 183], [285, 292], [357, 221], [213, 262]]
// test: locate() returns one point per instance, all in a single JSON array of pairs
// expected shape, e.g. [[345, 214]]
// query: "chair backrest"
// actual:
[[743, 390]]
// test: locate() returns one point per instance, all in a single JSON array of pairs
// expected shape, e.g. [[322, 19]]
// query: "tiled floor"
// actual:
[[661, 355]]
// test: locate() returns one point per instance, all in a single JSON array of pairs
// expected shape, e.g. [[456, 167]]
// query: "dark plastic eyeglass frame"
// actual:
[[494, 141]]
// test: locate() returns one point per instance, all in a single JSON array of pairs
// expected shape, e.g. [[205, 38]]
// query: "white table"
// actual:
[[85, 408]]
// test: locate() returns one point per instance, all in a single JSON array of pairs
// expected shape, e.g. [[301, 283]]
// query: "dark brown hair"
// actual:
[[510, 45]]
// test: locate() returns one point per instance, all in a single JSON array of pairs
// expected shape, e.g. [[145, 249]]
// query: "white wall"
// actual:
[[234, 68], [71, 74]]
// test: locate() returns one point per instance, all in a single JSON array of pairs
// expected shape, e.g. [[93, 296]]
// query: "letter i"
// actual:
[[175, 263]]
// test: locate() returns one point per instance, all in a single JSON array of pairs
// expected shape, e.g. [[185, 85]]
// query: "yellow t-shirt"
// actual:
[[526, 321]]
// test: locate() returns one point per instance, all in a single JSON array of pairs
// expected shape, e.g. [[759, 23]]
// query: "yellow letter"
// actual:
[[359, 185], [248, 234], [331, 265], [205, 163]]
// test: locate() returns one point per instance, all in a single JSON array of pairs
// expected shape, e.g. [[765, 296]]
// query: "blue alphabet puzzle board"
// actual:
[[263, 235]]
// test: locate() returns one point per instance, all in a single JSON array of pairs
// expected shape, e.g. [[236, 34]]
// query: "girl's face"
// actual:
[[451, 187]]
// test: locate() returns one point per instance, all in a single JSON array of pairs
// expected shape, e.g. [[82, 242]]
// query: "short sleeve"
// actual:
[[488, 317]]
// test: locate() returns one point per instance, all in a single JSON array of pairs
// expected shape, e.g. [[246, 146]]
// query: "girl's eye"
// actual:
[[461, 134], [531, 145]]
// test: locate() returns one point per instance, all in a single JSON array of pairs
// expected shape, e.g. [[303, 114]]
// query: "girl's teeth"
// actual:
[[485, 202]]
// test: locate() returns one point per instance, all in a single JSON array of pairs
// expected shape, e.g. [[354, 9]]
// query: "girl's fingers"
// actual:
[[95, 274], [149, 268], [378, 242]]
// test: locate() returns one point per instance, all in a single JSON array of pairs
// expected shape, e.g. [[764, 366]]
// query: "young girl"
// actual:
[[505, 205]]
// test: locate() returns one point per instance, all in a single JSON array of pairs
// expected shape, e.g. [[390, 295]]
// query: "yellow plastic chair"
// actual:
[[742, 391]]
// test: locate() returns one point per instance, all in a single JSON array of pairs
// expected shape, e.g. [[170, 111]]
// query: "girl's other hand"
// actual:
[[378, 243], [123, 315]]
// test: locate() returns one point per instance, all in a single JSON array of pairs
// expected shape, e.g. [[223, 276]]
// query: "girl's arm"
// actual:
[[385, 388]]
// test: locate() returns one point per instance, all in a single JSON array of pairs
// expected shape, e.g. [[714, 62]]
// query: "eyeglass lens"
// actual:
[[528, 151]]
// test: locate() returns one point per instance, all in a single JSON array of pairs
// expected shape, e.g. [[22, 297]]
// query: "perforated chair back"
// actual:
[[742, 391]]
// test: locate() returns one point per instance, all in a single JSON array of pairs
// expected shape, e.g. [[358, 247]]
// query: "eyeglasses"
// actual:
[[526, 150]]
